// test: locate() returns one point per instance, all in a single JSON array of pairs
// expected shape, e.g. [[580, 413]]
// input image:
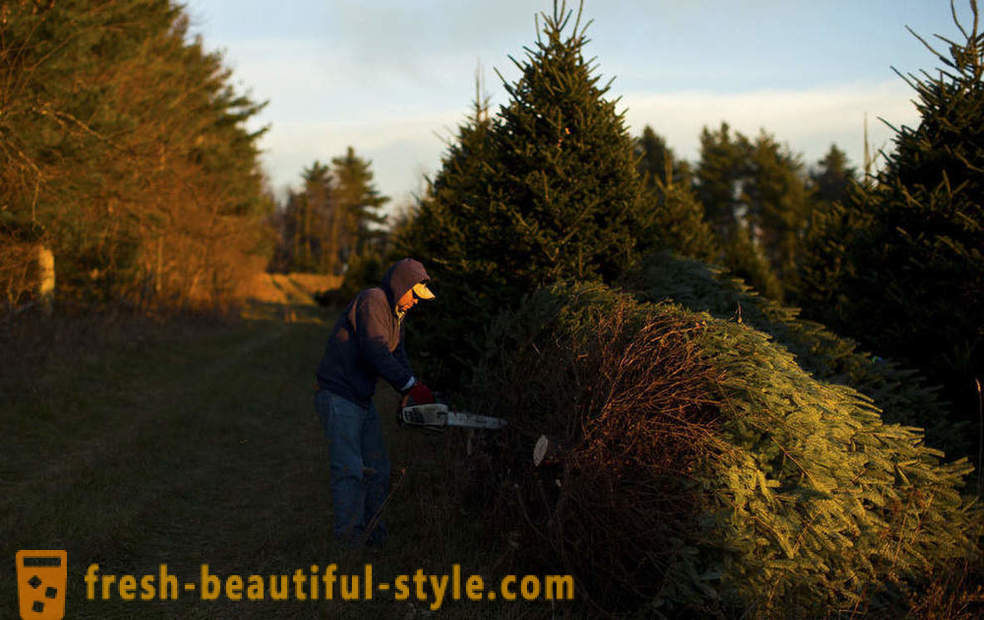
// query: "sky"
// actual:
[[394, 79]]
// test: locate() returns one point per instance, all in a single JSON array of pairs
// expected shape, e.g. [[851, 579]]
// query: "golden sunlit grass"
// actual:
[[293, 288]]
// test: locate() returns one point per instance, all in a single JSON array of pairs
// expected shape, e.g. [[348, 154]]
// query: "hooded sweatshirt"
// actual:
[[367, 340]]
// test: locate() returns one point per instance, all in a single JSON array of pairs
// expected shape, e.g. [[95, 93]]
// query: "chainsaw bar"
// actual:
[[438, 415]]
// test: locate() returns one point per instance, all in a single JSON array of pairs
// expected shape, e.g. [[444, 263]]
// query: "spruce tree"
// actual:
[[566, 191], [452, 217], [720, 171], [776, 201], [357, 203], [545, 190], [674, 220], [832, 177], [657, 161], [912, 281]]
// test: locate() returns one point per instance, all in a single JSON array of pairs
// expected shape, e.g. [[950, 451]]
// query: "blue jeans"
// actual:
[[360, 467]]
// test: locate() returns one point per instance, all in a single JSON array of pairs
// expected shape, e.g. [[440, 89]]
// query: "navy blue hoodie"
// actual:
[[367, 340]]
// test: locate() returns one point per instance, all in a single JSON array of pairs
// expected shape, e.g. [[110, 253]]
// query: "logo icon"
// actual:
[[41, 579]]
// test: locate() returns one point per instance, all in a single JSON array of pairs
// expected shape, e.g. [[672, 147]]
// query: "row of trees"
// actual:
[[549, 233], [756, 196], [333, 221], [123, 149], [553, 187], [124, 154], [894, 259]]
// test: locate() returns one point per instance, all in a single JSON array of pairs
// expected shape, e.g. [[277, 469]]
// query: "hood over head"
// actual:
[[401, 277]]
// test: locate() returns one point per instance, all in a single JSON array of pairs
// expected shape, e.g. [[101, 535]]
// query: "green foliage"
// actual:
[[334, 221], [674, 218], [900, 393], [832, 177], [356, 196], [676, 223], [719, 172], [776, 200], [565, 189], [657, 162], [757, 200], [545, 189], [127, 145], [364, 271], [803, 501], [745, 259], [445, 234], [905, 254]]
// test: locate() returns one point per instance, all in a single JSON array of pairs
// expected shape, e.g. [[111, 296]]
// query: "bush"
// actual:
[[703, 470], [902, 394]]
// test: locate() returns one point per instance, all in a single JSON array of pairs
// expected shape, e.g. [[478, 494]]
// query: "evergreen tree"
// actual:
[[832, 177], [746, 485], [356, 205], [675, 221], [315, 223], [745, 259], [125, 144], [776, 201], [912, 284], [547, 189], [566, 188], [832, 225], [757, 200], [657, 161], [720, 172], [334, 221], [451, 219]]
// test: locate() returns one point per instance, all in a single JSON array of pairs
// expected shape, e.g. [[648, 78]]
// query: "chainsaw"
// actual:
[[438, 416]]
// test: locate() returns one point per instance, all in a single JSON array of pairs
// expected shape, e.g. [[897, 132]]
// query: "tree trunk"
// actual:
[[46, 279]]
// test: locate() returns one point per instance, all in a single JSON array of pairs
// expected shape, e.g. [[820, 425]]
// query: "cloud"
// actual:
[[405, 145], [401, 148], [807, 120]]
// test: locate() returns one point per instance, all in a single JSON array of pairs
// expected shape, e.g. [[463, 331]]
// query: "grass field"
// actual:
[[132, 444]]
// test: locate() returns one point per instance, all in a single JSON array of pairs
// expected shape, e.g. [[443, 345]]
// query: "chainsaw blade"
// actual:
[[438, 415]]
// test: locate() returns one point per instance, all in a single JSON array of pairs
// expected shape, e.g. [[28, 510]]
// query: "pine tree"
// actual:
[[832, 177], [720, 171], [126, 145], [357, 203], [745, 259], [451, 220], [912, 282], [316, 223], [566, 188], [545, 190], [658, 162], [674, 220], [775, 197]]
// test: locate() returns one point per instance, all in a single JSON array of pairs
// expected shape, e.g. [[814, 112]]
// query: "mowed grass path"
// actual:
[[200, 445]]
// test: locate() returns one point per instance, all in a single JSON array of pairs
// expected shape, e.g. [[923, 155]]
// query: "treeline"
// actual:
[[124, 152], [552, 187], [747, 203], [333, 221], [717, 453]]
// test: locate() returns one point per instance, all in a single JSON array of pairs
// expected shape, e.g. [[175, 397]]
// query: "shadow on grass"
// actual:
[[134, 443]]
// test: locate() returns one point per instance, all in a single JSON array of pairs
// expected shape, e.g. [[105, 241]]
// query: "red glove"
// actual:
[[421, 394]]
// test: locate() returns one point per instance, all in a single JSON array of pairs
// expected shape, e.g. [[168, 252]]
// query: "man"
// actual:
[[366, 343]]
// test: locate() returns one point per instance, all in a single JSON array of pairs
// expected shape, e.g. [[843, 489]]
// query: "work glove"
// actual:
[[420, 394]]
